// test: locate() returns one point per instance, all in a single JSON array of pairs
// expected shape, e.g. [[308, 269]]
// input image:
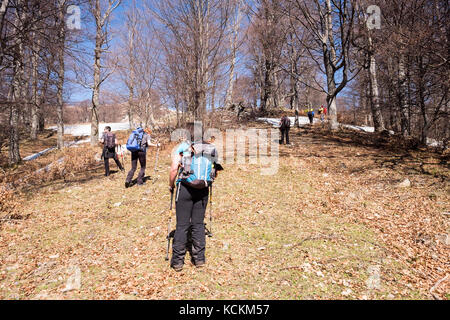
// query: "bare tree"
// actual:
[[364, 41], [234, 36], [194, 30], [102, 11], [331, 25]]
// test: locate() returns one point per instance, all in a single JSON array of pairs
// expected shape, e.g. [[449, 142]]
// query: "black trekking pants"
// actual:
[[311, 118], [190, 210], [285, 133], [116, 159], [142, 157]]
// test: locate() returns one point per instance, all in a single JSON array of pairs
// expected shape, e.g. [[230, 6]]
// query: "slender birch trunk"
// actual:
[[61, 74], [377, 116]]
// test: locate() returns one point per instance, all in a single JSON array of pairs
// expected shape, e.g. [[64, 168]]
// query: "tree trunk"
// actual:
[[96, 87], [377, 116], [233, 49], [267, 87], [130, 107], [61, 75], [34, 95], [329, 56], [403, 91], [17, 93]]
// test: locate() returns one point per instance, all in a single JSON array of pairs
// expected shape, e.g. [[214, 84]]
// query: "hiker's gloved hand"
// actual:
[[171, 189], [158, 144]]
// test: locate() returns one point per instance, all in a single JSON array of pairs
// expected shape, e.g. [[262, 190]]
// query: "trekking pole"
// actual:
[[122, 152], [169, 226], [156, 161], [210, 212]]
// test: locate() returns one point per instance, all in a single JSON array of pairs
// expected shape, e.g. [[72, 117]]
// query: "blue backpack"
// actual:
[[134, 142], [197, 167]]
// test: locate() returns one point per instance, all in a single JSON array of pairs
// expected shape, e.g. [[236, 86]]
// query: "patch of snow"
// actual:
[[41, 153], [360, 128], [275, 122], [37, 155], [81, 130], [434, 143]]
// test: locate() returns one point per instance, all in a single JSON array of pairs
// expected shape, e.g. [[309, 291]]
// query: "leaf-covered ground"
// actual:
[[332, 224]]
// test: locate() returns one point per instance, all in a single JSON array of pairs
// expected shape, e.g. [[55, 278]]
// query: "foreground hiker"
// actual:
[[137, 144], [285, 126], [109, 142], [193, 163]]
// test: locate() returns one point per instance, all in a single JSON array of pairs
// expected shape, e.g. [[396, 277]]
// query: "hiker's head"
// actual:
[[107, 129], [195, 130]]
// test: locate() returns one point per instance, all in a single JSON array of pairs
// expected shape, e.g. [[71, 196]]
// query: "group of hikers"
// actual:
[[285, 122], [139, 153], [193, 170], [322, 111]]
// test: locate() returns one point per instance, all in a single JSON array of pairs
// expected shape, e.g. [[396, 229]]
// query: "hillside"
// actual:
[[337, 221]]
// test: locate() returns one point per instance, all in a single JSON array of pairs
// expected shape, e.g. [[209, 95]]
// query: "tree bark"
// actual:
[[233, 49], [377, 116], [403, 98], [61, 74], [17, 92], [34, 95], [96, 86]]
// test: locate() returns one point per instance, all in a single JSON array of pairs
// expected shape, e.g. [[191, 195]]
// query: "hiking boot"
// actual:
[[127, 184], [177, 268], [198, 264]]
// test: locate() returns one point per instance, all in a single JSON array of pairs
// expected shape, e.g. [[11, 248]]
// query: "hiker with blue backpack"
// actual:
[[137, 144], [192, 173]]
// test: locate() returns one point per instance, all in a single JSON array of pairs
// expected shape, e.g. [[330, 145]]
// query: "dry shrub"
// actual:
[[8, 201], [71, 161], [58, 165]]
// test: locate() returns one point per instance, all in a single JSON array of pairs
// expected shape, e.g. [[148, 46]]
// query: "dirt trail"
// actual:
[[332, 224]]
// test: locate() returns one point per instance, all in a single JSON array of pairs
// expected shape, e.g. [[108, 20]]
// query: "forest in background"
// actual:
[[379, 63]]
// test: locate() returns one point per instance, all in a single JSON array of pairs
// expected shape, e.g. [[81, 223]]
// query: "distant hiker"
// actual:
[[194, 163], [137, 144], [321, 114], [285, 126], [109, 142], [311, 115]]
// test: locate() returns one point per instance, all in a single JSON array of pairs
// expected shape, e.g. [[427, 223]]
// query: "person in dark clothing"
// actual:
[[311, 115], [191, 203], [140, 156], [190, 210], [285, 126], [109, 142]]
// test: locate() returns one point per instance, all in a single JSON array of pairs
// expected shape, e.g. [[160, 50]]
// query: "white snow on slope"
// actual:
[[67, 144], [276, 121], [84, 129]]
